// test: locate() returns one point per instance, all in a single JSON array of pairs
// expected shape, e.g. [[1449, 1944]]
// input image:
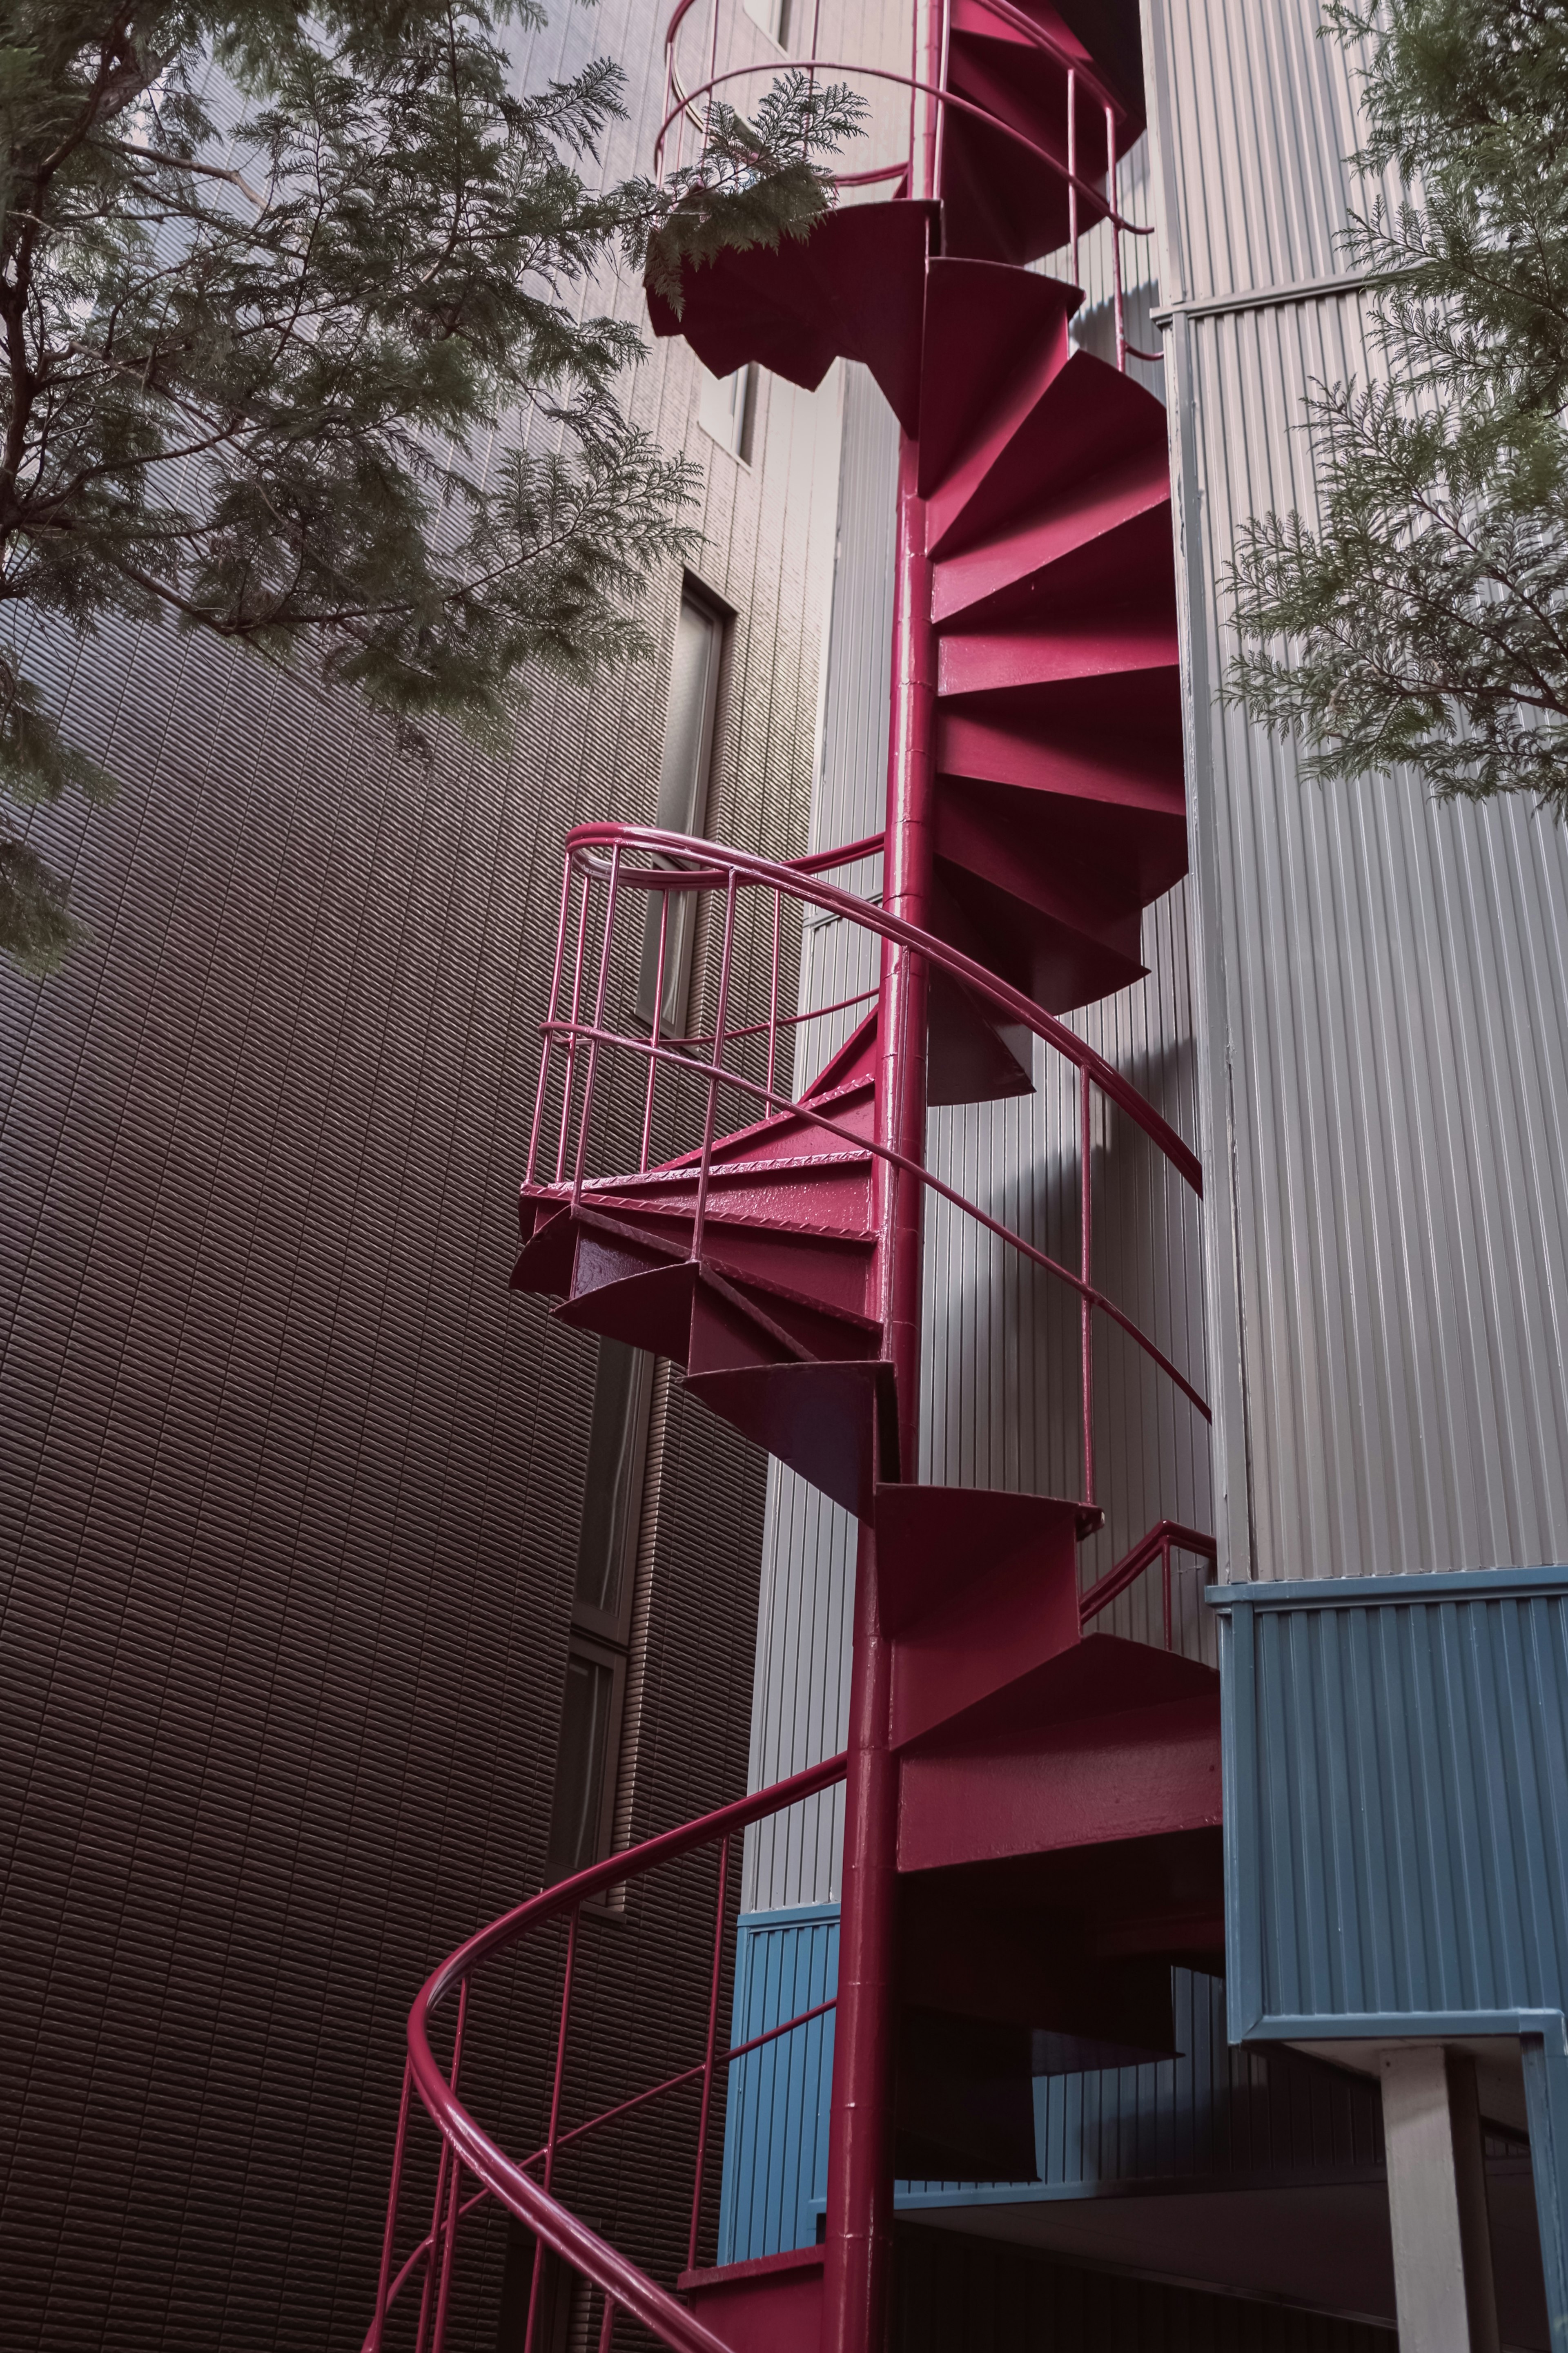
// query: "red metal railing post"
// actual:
[[708, 2055], [1072, 171], [449, 2252], [773, 993], [446, 2151], [611, 896], [389, 2236], [1086, 1264], [554, 1010], [658, 1019], [699, 1216], [1165, 1582], [1115, 239], [554, 2121], [607, 2327], [572, 1032]]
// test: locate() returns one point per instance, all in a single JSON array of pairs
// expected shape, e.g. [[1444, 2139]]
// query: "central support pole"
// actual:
[[860, 2149]]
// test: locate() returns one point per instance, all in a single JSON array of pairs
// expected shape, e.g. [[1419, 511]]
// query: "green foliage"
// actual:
[[294, 348], [1424, 617]]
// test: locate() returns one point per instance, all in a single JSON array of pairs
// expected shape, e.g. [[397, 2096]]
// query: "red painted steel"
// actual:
[[1036, 805], [465, 2142]]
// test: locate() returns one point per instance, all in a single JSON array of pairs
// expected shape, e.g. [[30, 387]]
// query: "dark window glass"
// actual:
[[682, 804], [614, 1484], [576, 1830]]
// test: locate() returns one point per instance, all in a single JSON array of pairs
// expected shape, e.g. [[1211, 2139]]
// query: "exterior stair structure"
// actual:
[[1058, 1840]]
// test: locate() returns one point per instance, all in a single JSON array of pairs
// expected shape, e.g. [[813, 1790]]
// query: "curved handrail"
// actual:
[[1070, 179], [707, 858], [500, 2175], [1036, 35]]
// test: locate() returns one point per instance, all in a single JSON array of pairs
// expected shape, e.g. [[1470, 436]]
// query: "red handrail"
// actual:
[[685, 863], [1103, 202], [718, 860], [1165, 1538], [467, 2144]]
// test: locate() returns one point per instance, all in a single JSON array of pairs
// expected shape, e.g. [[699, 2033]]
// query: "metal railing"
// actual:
[[691, 105], [609, 869], [1165, 1539], [472, 2168]]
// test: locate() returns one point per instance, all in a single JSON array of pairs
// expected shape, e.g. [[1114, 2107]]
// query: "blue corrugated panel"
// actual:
[[1395, 1798], [776, 2122]]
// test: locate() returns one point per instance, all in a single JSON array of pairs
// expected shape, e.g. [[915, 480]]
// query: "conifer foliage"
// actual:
[[301, 345], [1423, 617]]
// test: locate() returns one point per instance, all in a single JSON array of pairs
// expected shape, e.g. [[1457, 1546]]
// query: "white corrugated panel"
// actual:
[[1384, 1037]]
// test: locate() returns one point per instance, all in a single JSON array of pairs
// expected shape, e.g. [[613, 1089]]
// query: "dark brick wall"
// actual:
[[290, 1483]]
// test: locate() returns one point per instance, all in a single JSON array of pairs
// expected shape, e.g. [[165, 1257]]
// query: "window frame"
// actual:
[[681, 927], [601, 1655]]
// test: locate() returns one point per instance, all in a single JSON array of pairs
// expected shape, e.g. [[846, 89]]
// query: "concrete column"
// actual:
[[1438, 2202]]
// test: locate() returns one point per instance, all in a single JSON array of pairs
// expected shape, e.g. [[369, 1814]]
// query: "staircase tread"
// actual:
[[756, 2268], [679, 1173], [857, 1237]]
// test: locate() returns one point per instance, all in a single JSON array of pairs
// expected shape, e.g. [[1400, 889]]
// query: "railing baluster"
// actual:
[[664, 897], [446, 2151], [448, 2251], [1115, 239], [539, 2251], [571, 1034], [1086, 1256], [1166, 1582], [1072, 170], [708, 2055], [712, 74], [700, 1220], [554, 1010], [607, 2328], [610, 898], [389, 2236], [773, 993]]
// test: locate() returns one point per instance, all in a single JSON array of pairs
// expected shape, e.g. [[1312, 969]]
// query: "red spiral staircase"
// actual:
[[1032, 1807]]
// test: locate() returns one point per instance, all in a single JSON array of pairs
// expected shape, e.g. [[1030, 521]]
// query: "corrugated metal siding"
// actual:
[[1396, 1798], [1384, 1015], [775, 2124]]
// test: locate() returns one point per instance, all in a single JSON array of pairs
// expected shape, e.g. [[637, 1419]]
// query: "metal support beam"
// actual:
[[1438, 2202], [1545, 2057]]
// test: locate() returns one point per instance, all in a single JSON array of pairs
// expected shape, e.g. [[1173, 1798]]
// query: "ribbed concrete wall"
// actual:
[[1384, 1040], [289, 1485]]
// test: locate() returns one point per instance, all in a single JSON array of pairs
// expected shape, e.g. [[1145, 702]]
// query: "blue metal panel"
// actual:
[[1396, 1826], [776, 2122], [1395, 1800], [1226, 2116]]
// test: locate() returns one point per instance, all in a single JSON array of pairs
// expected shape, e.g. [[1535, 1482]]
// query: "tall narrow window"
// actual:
[[682, 803], [601, 1613], [727, 409], [774, 16]]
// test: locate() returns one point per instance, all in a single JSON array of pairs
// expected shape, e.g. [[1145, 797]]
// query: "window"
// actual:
[[586, 1761], [727, 408], [682, 802], [774, 16]]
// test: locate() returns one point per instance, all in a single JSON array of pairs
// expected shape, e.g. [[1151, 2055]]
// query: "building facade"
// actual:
[[1172, 1946]]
